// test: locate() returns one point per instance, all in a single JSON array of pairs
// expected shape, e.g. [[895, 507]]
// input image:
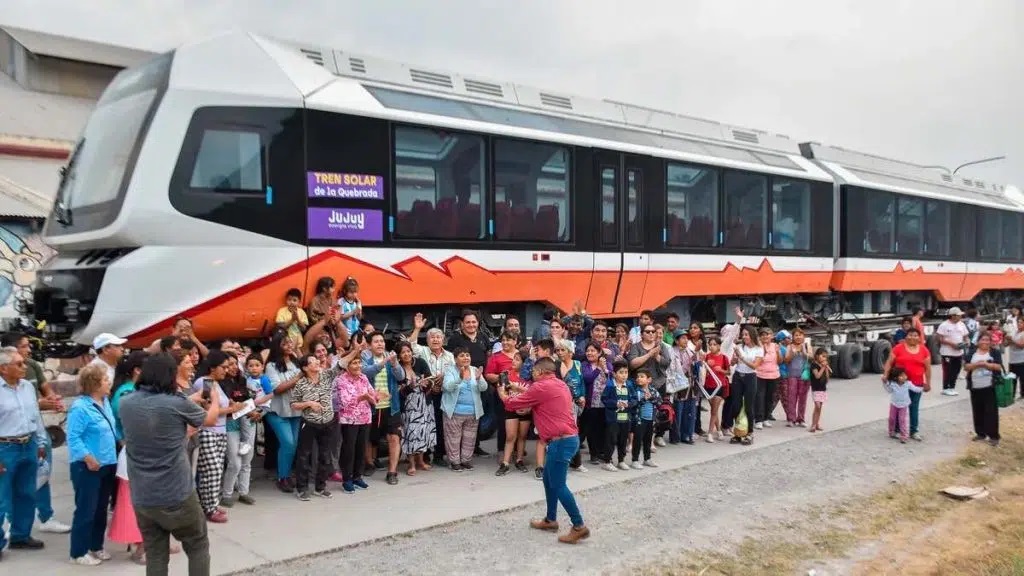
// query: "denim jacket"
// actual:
[[610, 399], [396, 374]]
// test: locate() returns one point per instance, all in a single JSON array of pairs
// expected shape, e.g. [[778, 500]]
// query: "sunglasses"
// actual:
[[649, 331]]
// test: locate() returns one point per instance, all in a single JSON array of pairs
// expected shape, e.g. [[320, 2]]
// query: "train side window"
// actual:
[[791, 214], [634, 194], [609, 207], [746, 210], [229, 160], [936, 232], [1009, 243], [909, 226], [691, 198], [531, 192], [438, 180], [989, 228], [879, 225]]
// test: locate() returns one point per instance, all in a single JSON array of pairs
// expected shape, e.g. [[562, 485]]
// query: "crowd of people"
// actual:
[[165, 437]]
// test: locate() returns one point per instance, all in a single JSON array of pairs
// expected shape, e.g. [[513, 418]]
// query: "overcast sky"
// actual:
[[930, 81]]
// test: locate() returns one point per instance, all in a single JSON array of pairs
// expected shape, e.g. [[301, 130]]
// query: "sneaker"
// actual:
[[392, 478], [790, 424], [709, 439], [903, 440], [719, 435], [802, 424], [246, 499], [54, 527], [302, 495], [650, 463], [916, 436], [480, 452], [29, 543], [993, 442], [227, 502], [336, 477], [369, 469], [544, 524], [218, 517], [580, 468], [362, 485], [767, 423], [575, 535], [348, 488], [101, 555], [979, 438], [87, 560], [610, 467], [538, 473], [637, 465], [758, 426], [623, 465], [659, 441], [502, 470], [324, 493], [244, 449], [689, 441], [467, 466], [595, 462], [521, 466], [654, 448], [456, 467], [285, 486]]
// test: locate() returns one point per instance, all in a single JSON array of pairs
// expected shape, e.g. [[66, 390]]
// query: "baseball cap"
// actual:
[[679, 334], [782, 335], [954, 311], [106, 339]]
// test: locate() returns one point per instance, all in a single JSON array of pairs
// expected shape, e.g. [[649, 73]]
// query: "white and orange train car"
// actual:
[[215, 177]]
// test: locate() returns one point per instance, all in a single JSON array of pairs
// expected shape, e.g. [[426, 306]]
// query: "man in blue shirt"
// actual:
[[22, 446]]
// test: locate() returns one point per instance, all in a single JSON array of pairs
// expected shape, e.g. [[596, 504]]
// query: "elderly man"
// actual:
[[22, 446], [438, 359]]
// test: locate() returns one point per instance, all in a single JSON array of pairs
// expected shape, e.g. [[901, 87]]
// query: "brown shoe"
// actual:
[[544, 524], [574, 535]]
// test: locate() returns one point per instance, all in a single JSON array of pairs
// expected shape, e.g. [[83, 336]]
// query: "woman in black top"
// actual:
[[820, 372]]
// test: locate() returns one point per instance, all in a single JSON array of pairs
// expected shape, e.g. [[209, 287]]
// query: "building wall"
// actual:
[[68, 77], [22, 254]]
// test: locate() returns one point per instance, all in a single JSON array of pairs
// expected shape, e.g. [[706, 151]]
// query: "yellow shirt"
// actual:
[[380, 383], [284, 316]]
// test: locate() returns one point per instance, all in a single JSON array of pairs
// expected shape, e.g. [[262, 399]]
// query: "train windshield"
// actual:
[[93, 183]]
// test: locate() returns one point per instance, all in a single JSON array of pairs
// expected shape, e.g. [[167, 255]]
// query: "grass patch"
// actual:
[[912, 529]]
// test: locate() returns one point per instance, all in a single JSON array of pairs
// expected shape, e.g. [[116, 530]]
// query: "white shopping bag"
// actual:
[[122, 465], [42, 473]]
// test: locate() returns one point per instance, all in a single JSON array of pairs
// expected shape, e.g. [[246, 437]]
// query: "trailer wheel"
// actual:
[[879, 354], [849, 361], [933, 348]]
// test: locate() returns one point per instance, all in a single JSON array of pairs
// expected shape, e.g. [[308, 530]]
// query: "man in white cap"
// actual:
[[109, 349], [953, 340]]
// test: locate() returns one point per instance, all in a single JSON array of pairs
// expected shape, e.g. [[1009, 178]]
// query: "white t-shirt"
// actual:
[[981, 377], [955, 332], [1017, 354], [750, 354]]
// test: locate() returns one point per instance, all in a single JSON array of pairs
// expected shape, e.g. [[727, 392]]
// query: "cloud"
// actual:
[[934, 82]]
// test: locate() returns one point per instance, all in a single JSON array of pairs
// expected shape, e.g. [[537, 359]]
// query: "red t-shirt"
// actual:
[[720, 364], [552, 407], [499, 362], [914, 364]]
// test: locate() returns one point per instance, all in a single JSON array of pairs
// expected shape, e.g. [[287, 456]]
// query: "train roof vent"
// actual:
[[979, 184], [485, 88], [357, 65], [947, 178], [968, 182], [555, 101], [316, 56], [431, 78], [745, 136]]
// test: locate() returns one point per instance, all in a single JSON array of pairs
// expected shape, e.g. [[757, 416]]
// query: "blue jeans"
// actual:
[[287, 432], [92, 499], [44, 503], [18, 487], [556, 469], [915, 410], [686, 418]]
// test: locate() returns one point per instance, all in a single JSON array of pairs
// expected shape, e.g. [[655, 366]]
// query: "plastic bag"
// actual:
[[42, 473], [739, 427]]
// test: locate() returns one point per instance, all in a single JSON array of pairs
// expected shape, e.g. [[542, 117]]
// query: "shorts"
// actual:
[[384, 422], [528, 417], [722, 392], [819, 396]]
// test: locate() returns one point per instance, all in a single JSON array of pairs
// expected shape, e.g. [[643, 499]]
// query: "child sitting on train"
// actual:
[[292, 317]]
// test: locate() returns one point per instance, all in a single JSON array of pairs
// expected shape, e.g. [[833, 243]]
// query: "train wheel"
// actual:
[[933, 348], [878, 355], [849, 361]]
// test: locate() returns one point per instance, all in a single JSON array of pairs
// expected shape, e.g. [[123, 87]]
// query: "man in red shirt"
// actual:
[[553, 415]]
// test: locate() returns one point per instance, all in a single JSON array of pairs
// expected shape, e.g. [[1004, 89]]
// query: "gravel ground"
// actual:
[[656, 517]]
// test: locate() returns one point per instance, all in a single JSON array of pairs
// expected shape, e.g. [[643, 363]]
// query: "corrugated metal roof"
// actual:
[[57, 46], [27, 113]]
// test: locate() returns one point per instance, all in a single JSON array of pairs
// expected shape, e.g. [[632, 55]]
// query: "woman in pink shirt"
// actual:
[[355, 399], [767, 381]]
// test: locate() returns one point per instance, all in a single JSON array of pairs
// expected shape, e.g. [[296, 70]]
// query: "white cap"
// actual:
[[106, 339], [954, 311]]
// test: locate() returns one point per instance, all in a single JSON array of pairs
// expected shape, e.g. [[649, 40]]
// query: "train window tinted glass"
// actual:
[[909, 225], [936, 239], [989, 227], [746, 210], [635, 213], [531, 191], [229, 161], [879, 222], [1009, 243], [692, 206], [791, 214], [438, 178], [609, 206]]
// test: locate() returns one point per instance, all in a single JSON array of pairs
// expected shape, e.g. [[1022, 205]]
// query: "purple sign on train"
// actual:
[[345, 224], [344, 186]]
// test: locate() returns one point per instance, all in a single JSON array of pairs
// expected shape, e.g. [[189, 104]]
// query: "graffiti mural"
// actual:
[[22, 253]]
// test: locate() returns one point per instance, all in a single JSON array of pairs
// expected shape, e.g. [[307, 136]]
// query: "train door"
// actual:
[[620, 263]]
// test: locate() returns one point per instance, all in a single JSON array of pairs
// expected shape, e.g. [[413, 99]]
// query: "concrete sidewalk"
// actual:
[[279, 527]]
